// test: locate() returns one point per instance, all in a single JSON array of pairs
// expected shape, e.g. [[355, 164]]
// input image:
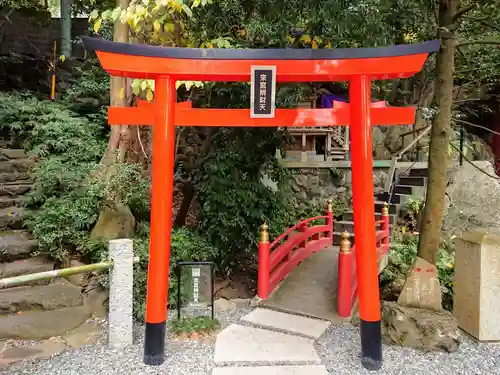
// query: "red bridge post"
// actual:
[[264, 264], [345, 272]]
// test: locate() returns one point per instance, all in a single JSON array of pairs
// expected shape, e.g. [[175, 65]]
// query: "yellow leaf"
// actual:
[[149, 95], [97, 25], [290, 39], [329, 45], [145, 2], [93, 15], [116, 13], [170, 27], [196, 3], [157, 25], [403, 230], [62, 58], [314, 44], [122, 93], [144, 85], [305, 38], [187, 10]]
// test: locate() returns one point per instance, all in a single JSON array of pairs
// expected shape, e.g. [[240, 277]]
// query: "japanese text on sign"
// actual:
[[263, 91]]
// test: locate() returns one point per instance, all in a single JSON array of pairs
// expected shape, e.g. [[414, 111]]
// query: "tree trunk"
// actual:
[[66, 28], [116, 146], [117, 221], [430, 235]]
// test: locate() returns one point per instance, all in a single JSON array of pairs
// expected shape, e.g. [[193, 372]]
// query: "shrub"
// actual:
[[185, 246]]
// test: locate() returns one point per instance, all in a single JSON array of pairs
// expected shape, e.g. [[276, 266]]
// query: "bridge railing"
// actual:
[[347, 288], [278, 258]]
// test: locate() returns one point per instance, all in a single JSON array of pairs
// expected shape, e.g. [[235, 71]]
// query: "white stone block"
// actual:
[[287, 322], [248, 344], [272, 370]]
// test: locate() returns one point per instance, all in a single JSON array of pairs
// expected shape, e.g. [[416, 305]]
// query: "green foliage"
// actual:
[[402, 255], [234, 201], [185, 246], [199, 324], [69, 190]]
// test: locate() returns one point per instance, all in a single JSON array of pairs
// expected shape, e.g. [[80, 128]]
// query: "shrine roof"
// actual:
[[94, 44]]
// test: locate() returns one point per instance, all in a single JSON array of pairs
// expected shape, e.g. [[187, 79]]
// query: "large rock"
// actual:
[[421, 288], [114, 223], [41, 297], [472, 200], [420, 328], [39, 325], [16, 245], [11, 218]]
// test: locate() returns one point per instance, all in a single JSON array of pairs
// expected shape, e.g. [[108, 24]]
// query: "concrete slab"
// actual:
[[287, 322], [310, 289], [271, 370], [248, 344]]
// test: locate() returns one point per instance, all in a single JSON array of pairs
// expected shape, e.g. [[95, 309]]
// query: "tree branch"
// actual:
[[463, 11], [477, 42]]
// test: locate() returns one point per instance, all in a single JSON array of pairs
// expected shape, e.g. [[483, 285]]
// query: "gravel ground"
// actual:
[[339, 349]]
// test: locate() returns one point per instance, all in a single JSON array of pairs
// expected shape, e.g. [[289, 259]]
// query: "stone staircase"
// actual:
[[40, 310], [414, 184]]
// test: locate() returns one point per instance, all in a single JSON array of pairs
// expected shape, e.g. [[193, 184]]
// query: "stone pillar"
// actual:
[[477, 285], [121, 285]]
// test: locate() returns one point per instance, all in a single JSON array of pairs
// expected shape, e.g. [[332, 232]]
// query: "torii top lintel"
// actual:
[[292, 65]]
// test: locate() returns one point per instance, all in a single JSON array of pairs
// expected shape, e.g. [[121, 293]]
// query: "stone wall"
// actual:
[[314, 186], [22, 37]]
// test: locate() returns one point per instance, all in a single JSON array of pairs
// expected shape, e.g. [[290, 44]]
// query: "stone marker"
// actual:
[[121, 293], [421, 288], [477, 285]]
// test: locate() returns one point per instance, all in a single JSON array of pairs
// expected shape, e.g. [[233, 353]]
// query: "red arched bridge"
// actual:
[[277, 259]]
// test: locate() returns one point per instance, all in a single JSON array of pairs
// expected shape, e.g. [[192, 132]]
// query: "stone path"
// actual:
[[270, 342], [310, 289]]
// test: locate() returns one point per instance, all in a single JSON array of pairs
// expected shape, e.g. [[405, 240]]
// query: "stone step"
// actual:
[[240, 344], [413, 181], [11, 218], [394, 198], [272, 370], [16, 245], [25, 267], [39, 325], [403, 189], [40, 297], [287, 322], [15, 189], [22, 177], [13, 153], [19, 165], [419, 172], [9, 201]]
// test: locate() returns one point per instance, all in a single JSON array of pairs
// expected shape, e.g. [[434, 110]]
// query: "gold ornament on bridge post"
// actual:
[[329, 205], [345, 243], [385, 209], [264, 233]]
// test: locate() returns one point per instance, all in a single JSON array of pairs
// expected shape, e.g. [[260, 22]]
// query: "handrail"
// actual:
[[10, 282], [275, 264], [296, 226], [389, 183]]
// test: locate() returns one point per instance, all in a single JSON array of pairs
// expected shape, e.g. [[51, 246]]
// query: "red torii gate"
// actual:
[[167, 65]]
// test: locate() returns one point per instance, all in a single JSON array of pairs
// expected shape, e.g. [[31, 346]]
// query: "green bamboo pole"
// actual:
[[10, 282]]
